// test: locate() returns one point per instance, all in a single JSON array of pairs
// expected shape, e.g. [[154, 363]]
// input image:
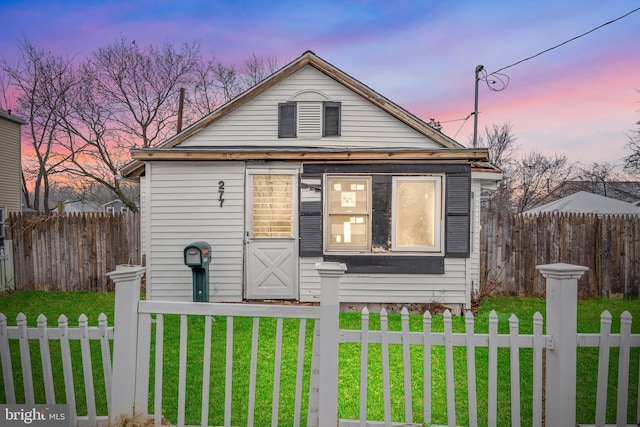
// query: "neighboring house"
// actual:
[[312, 165], [10, 167], [585, 202], [626, 191], [115, 206], [79, 206]]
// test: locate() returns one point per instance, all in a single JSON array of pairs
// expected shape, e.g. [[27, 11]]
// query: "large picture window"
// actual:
[[383, 214], [415, 211], [348, 213]]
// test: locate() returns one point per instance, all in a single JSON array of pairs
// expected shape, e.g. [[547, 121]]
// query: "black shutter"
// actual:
[[331, 119], [311, 217], [287, 120], [458, 215]]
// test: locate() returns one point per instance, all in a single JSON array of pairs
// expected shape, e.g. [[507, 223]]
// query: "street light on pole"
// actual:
[[479, 68]]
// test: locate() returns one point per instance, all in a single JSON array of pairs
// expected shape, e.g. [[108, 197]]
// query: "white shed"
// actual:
[[585, 202], [312, 165]]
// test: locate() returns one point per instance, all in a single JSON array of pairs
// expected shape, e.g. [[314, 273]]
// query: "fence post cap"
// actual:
[[331, 268], [562, 270], [126, 271]]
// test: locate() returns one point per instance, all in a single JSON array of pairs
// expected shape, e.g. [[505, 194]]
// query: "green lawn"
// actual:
[[73, 304]]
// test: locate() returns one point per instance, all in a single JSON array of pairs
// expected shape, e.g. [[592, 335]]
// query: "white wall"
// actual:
[[183, 207], [448, 288], [256, 123]]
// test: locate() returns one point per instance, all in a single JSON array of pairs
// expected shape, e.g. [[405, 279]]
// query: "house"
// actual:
[[115, 206], [585, 202], [312, 165], [10, 165], [77, 207]]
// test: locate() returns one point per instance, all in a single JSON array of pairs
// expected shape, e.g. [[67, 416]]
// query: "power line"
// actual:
[[565, 42]]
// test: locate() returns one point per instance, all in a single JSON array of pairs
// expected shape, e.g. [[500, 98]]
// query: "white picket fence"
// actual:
[[64, 335], [139, 359]]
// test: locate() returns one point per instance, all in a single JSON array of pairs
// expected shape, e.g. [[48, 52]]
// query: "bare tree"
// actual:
[[213, 84], [140, 86], [501, 143], [40, 80], [632, 161], [96, 148], [257, 68], [502, 146], [535, 175], [599, 175]]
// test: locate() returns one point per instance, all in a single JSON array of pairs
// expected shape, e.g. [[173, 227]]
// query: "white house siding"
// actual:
[[10, 165], [183, 207], [448, 288], [256, 123], [474, 259]]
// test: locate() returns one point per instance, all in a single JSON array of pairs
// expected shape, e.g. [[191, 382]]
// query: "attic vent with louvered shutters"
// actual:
[[309, 119]]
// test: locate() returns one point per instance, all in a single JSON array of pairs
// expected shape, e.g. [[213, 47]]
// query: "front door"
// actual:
[[272, 230]]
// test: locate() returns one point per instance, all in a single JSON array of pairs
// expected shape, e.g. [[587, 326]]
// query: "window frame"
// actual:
[[331, 104], [367, 212], [438, 220], [285, 132], [290, 133]]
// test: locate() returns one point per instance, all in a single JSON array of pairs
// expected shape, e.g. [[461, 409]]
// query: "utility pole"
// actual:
[[475, 111]]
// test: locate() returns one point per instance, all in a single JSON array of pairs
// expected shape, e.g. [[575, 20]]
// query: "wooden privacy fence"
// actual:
[[72, 252], [512, 244]]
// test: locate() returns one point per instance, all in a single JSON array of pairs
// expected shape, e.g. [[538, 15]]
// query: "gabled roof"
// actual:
[[136, 167], [585, 202], [310, 58]]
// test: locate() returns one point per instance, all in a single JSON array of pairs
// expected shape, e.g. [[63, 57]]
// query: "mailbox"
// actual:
[[197, 255]]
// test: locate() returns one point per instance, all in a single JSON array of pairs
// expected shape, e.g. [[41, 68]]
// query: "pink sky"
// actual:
[[580, 99]]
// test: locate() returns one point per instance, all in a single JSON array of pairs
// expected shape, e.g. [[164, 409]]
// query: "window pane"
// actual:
[[287, 120], [331, 119], [271, 205], [415, 215], [348, 195], [348, 231]]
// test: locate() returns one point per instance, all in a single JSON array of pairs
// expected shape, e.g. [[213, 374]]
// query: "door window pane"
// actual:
[[271, 205]]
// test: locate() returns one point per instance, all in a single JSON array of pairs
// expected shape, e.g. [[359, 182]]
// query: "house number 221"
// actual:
[[220, 192]]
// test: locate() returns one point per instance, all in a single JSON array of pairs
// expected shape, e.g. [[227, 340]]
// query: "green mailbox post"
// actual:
[[197, 255]]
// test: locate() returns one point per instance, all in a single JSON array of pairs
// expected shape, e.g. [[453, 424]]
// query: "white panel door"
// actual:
[[272, 230]]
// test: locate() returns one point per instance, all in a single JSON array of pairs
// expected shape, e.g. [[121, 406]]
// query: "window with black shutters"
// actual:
[[300, 120]]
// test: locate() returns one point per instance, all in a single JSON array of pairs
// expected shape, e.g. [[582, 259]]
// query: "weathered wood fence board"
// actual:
[[511, 245], [72, 252]]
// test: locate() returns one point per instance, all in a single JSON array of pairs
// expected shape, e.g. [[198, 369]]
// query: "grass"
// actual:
[[51, 304]]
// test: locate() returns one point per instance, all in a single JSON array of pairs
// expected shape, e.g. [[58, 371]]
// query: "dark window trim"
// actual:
[[283, 127], [390, 264], [387, 263], [325, 106]]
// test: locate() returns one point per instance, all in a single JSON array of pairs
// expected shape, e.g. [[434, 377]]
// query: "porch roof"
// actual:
[[306, 154]]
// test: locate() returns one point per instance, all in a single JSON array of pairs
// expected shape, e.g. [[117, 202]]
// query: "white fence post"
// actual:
[[330, 273], [125, 338], [562, 322]]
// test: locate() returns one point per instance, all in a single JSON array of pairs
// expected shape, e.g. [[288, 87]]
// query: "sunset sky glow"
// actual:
[[580, 99]]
